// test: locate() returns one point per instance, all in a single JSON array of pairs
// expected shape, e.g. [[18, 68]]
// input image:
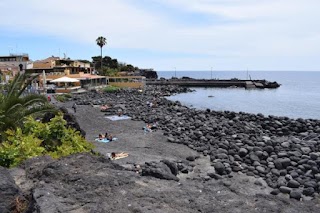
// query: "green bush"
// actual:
[[111, 88], [62, 97], [36, 139], [19, 147], [110, 72]]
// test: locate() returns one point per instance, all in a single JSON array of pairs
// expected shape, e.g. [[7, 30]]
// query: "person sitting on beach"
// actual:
[[120, 113], [147, 128], [101, 137], [154, 126], [109, 137], [106, 135]]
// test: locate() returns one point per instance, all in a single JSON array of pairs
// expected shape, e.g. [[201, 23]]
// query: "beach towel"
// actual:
[[104, 140], [117, 118]]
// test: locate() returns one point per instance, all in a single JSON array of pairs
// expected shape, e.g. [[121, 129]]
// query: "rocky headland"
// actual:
[[196, 161]]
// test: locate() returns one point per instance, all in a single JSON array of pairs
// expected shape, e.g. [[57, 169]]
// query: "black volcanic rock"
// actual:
[[264, 146], [149, 74], [9, 192], [158, 170]]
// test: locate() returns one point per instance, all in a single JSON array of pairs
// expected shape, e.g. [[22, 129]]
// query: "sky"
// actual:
[[180, 35]]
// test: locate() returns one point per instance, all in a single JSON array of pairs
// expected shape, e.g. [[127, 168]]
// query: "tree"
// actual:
[[101, 41], [16, 104]]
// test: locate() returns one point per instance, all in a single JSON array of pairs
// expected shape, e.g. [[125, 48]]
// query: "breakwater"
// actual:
[[190, 82]]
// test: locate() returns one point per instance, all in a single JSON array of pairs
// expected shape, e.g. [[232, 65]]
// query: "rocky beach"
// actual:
[[195, 161]]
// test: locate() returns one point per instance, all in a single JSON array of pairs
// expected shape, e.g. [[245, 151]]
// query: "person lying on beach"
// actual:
[[104, 107], [115, 156]]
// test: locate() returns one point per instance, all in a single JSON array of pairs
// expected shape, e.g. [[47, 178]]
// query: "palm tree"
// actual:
[[101, 41], [16, 105]]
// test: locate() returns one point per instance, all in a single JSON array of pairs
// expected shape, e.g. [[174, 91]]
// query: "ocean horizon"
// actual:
[[297, 97]]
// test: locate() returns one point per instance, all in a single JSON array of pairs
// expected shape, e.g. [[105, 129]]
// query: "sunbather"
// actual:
[[109, 137], [147, 128], [101, 137], [104, 107], [115, 156], [120, 112]]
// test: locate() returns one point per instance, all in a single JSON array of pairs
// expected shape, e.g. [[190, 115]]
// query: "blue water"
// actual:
[[298, 96]]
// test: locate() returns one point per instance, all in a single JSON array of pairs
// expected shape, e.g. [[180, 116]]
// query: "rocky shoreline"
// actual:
[[235, 161], [284, 152]]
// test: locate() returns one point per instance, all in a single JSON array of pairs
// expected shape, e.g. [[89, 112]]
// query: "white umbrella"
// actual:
[[65, 79]]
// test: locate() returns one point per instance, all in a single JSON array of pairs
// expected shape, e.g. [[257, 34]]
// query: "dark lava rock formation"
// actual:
[[149, 74], [89, 183]]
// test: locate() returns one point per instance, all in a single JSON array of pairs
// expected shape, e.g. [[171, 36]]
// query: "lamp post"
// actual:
[[175, 72], [211, 73]]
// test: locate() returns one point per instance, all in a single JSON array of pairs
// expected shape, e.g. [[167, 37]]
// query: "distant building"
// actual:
[[7, 72], [21, 61], [54, 67], [47, 63]]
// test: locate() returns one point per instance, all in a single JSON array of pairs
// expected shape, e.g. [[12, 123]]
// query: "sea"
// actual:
[[297, 97]]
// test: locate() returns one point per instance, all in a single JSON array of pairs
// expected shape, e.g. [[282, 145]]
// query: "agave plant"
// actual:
[[16, 105]]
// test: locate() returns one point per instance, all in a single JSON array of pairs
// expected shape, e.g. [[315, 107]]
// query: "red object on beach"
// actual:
[[49, 98]]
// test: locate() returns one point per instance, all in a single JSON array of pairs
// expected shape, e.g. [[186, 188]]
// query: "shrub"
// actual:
[[19, 147], [111, 89], [36, 139], [63, 97]]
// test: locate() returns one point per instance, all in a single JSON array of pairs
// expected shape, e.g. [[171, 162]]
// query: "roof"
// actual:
[[52, 58], [131, 76], [84, 76]]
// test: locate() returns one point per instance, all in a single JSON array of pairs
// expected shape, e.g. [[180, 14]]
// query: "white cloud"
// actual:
[[252, 32]]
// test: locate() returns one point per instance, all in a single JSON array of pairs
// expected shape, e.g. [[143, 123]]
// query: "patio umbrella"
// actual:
[[65, 79]]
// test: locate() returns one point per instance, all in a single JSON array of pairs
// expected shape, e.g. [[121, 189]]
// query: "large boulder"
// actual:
[[149, 74], [158, 170], [10, 194]]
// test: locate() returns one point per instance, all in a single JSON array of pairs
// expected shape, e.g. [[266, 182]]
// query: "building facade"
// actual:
[[21, 61]]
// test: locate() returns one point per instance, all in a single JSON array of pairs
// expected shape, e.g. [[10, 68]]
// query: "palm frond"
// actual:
[[15, 106]]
